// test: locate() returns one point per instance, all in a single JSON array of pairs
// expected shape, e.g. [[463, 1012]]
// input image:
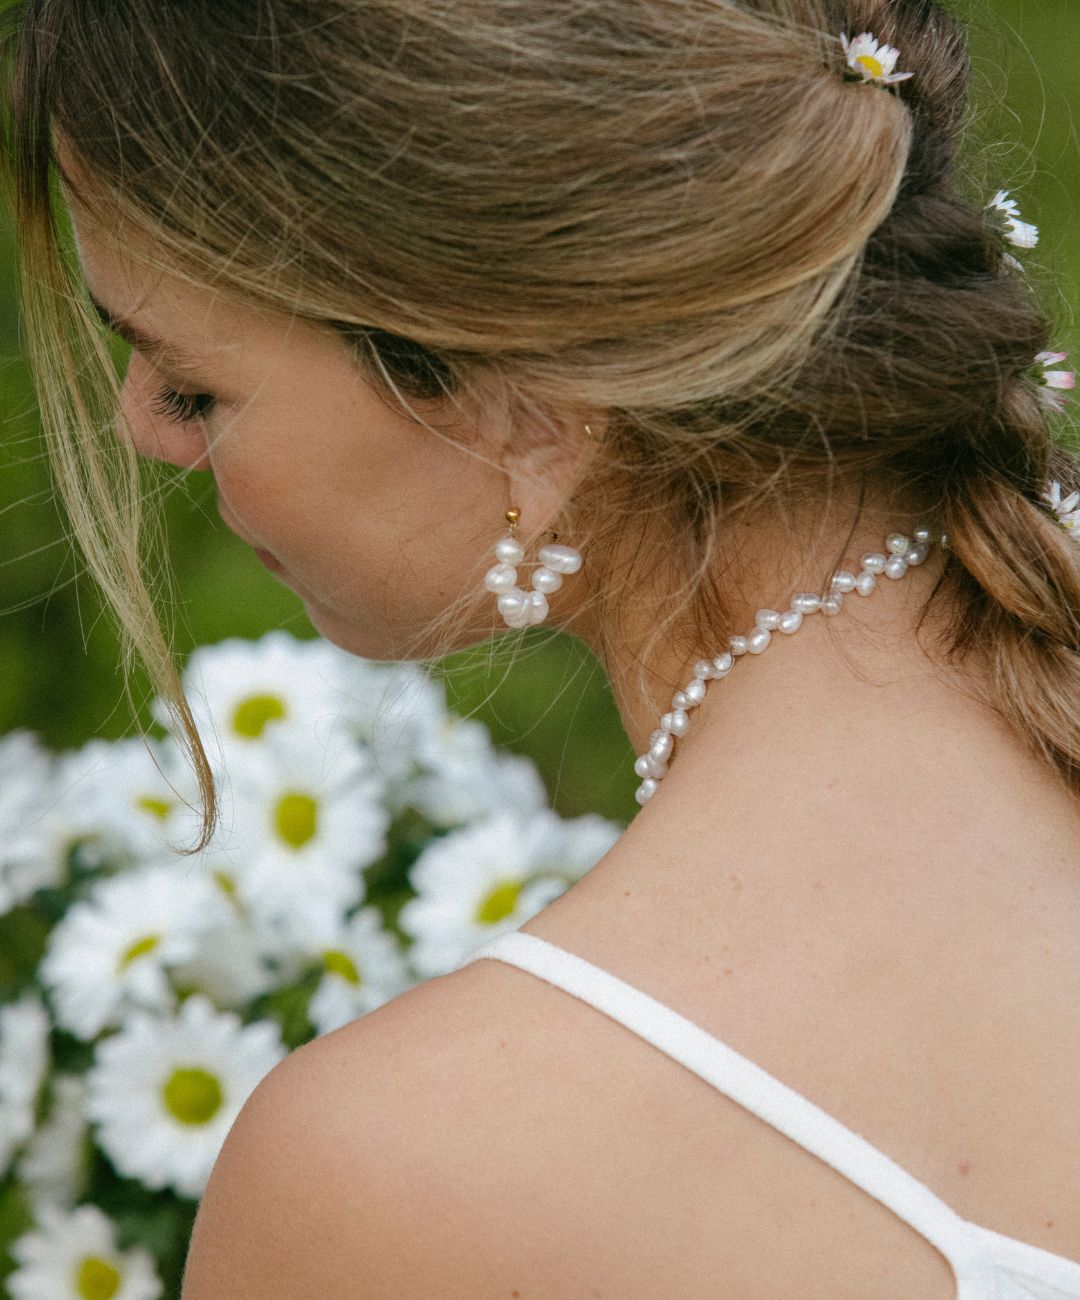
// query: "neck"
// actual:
[[850, 742]]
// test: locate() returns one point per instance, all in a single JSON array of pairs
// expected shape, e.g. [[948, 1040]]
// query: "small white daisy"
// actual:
[[465, 778], [307, 818], [163, 1092], [132, 799], [1067, 510], [1021, 234], [232, 964], [391, 709], [112, 949], [33, 848], [24, 1061], [871, 61], [483, 880], [55, 1166], [1054, 383], [362, 963], [242, 691], [72, 1255]]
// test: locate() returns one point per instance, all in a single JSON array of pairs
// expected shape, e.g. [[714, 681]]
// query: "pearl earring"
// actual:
[[522, 608]]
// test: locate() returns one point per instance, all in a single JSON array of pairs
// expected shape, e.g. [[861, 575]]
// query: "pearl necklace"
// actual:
[[903, 554]]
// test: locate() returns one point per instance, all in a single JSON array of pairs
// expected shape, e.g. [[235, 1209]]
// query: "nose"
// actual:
[[153, 435]]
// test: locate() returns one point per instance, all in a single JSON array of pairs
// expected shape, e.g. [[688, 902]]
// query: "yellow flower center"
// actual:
[[251, 715], [296, 819], [138, 949], [192, 1096], [225, 883], [499, 903], [340, 963], [872, 65], [96, 1279], [158, 808]]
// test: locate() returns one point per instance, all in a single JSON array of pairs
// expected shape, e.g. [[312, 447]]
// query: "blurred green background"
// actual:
[[58, 657]]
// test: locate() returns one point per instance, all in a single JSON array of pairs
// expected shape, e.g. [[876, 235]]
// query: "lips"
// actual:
[[265, 557], [273, 564]]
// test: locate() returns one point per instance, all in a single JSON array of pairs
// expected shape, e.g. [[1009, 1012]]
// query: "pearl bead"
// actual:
[[680, 722], [898, 544], [723, 664], [923, 534], [694, 691], [512, 602], [680, 700], [546, 580], [647, 766], [738, 645], [831, 605], [703, 669], [661, 749], [865, 583], [769, 619], [791, 621], [509, 550], [874, 562], [896, 567], [842, 582], [646, 790], [918, 553], [758, 641], [537, 608], [563, 559], [501, 578], [806, 602], [665, 726]]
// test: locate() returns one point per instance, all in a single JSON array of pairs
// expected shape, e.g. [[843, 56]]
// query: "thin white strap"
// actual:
[[760, 1093]]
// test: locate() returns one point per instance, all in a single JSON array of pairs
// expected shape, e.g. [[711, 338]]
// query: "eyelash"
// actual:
[[182, 407]]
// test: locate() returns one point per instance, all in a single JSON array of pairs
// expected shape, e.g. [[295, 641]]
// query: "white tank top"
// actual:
[[986, 1264]]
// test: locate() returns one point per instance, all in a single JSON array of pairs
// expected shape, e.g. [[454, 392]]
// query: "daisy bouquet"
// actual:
[[369, 839]]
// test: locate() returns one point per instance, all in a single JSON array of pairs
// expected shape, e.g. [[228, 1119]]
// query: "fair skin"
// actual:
[[854, 874]]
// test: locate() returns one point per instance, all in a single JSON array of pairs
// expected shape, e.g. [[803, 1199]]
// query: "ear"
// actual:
[[546, 454]]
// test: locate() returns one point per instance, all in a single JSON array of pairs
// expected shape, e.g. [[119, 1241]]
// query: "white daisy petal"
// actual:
[[306, 819], [131, 799], [55, 1166], [33, 848], [1021, 234], [483, 880], [464, 778], [164, 1092], [872, 60], [112, 950], [363, 966], [71, 1255], [24, 1060]]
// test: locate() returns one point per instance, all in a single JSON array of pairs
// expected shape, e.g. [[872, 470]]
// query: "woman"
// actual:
[[689, 289]]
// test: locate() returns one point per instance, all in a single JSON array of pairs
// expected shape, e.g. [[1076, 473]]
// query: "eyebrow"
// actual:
[[168, 354]]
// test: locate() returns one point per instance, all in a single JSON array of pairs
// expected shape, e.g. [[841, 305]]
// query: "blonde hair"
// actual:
[[677, 211]]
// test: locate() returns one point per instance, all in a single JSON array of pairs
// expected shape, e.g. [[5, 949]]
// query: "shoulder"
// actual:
[[356, 1166]]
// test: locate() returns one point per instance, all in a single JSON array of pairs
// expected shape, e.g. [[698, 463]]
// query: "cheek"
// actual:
[[381, 525]]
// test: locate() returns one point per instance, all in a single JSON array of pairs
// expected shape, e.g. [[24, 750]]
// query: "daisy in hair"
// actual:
[[871, 60]]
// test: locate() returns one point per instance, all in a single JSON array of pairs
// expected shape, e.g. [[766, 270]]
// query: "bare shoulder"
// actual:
[[359, 1166]]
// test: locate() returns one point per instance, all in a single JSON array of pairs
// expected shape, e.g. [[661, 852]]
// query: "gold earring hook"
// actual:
[[512, 517]]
